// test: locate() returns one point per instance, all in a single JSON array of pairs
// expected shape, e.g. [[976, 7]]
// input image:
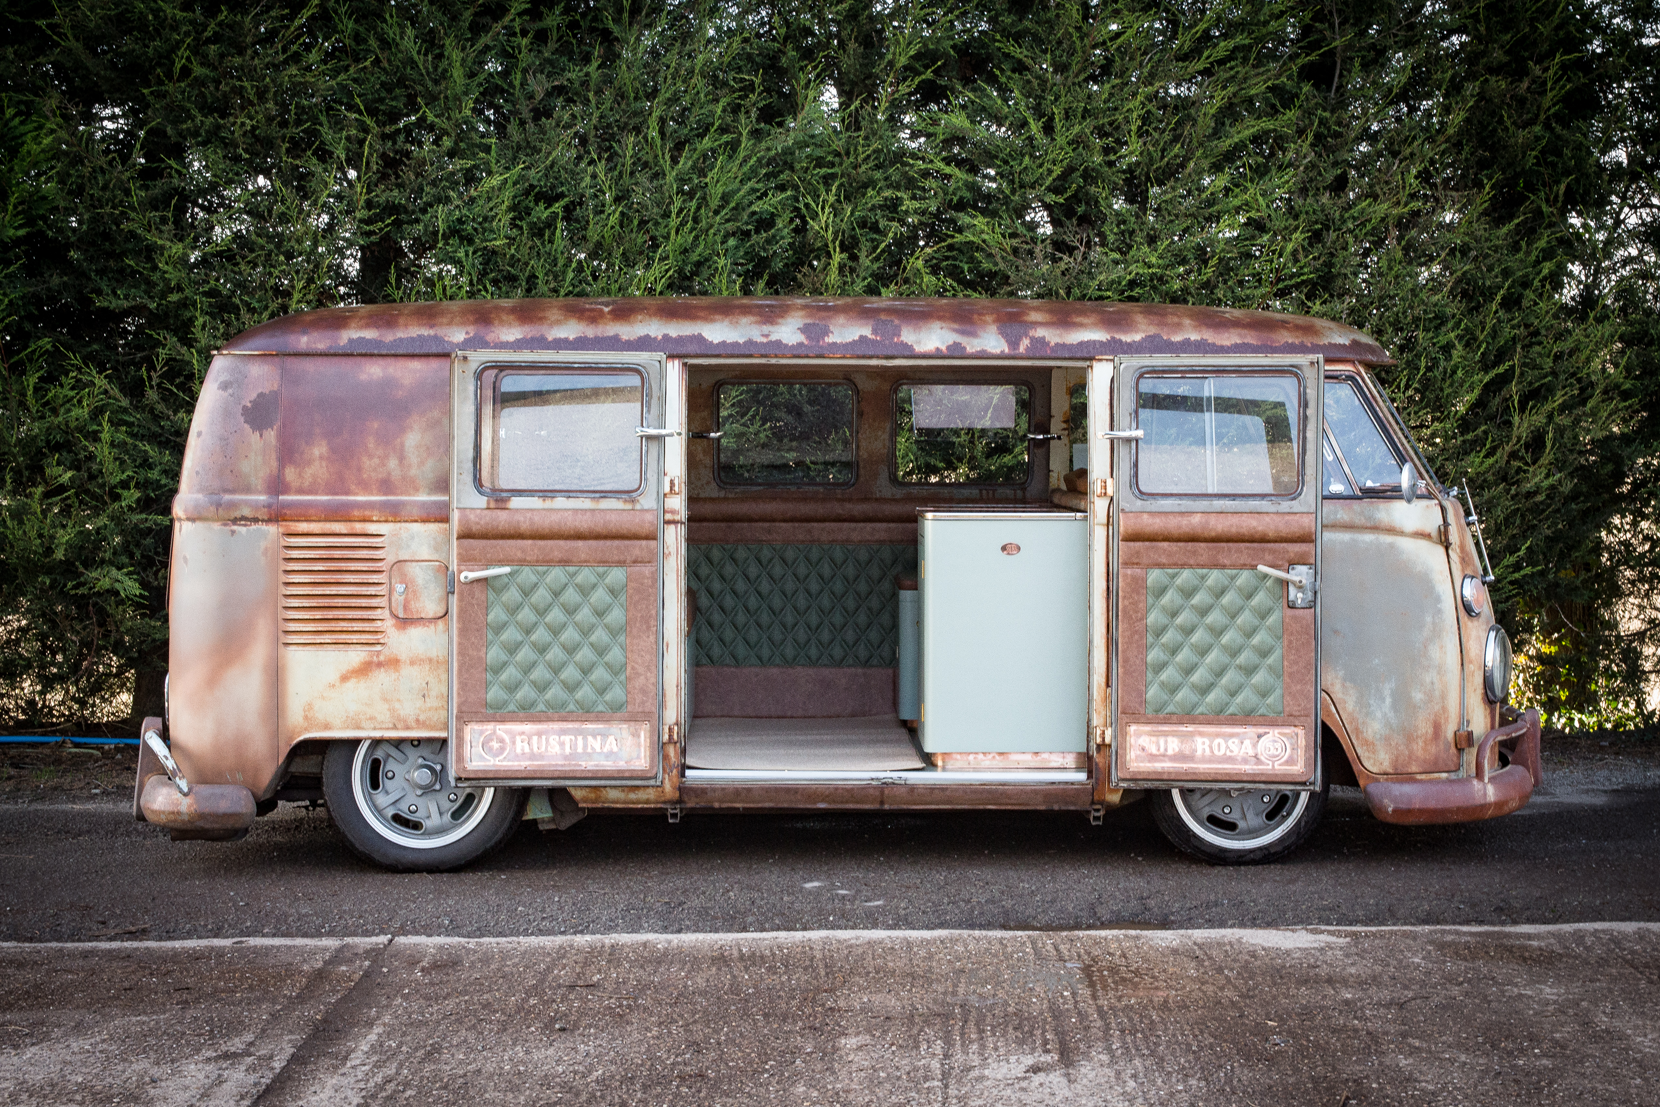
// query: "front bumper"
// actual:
[[1490, 793]]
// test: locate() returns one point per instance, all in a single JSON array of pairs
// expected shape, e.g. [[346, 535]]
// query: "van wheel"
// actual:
[[1238, 826], [394, 802]]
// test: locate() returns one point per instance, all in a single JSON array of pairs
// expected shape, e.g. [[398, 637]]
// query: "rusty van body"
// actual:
[[449, 566]]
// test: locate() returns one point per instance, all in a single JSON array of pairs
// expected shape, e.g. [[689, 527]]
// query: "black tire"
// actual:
[[450, 826], [1208, 824]]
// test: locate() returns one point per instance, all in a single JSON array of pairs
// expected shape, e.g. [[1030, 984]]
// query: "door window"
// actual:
[[1218, 435], [561, 430]]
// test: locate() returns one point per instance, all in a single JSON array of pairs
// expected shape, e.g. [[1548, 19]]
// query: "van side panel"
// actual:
[[222, 603], [365, 438], [1389, 640], [230, 458], [350, 671], [364, 508]]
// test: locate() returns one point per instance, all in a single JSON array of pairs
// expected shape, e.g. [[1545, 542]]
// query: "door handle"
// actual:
[[1300, 586], [653, 432], [1137, 433], [1043, 437], [483, 574]]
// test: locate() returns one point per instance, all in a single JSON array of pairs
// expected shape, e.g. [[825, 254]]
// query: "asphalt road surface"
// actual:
[[840, 958], [1587, 850]]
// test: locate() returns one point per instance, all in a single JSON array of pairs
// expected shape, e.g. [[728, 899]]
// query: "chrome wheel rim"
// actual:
[[404, 791], [1239, 818]]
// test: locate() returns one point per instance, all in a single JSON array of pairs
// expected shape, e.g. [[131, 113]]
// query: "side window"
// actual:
[[1361, 448], [1077, 424], [558, 430], [1218, 435], [784, 433], [961, 433], [1336, 478]]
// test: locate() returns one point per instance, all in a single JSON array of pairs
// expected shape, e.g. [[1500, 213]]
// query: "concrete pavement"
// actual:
[[1336, 1017]]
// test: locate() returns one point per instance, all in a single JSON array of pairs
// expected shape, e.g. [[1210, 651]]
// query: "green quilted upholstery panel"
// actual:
[[818, 605], [556, 639], [1215, 642]]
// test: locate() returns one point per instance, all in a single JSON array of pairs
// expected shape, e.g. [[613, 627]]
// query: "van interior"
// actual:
[[815, 621]]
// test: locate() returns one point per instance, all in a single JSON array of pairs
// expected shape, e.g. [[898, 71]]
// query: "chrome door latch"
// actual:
[[1299, 584], [485, 574]]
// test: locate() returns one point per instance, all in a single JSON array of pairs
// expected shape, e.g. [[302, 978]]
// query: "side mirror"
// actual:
[[1409, 482]]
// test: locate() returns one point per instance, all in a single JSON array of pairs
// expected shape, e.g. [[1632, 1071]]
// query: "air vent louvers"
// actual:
[[333, 591]]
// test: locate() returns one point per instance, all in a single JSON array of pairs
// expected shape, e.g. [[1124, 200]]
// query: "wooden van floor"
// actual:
[[878, 742]]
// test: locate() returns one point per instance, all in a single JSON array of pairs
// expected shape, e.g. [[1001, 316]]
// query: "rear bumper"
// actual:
[[1491, 792], [214, 812]]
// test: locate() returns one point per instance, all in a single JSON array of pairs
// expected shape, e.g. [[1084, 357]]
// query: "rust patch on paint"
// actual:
[[260, 413]]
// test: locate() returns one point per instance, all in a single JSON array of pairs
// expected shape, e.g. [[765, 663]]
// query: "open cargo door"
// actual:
[[1216, 522], [562, 465]]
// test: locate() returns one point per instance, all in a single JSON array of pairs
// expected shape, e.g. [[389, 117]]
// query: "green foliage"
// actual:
[[88, 474], [1473, 184]]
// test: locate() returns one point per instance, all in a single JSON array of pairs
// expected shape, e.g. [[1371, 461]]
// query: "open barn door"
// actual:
[[1216, 671]]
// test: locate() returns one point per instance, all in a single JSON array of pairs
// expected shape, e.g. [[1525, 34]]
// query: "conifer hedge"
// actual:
[[1473, 184]]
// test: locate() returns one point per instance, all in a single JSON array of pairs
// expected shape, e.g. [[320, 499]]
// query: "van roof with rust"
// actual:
[[713, 326]]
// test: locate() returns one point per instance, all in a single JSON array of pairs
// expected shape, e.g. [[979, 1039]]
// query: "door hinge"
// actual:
[[671, 737], [1463, 739], [1103, 736], [1103, 488], [674, 486], [452, 582]]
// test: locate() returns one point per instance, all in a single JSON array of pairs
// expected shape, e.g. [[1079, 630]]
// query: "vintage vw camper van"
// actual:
[[450, 566]]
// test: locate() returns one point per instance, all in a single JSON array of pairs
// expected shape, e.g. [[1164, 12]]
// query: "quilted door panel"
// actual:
[[1215, 643], [556, 639]]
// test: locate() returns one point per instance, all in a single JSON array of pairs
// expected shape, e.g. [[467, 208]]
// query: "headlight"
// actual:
[[1473, 595], [1496, 664]]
